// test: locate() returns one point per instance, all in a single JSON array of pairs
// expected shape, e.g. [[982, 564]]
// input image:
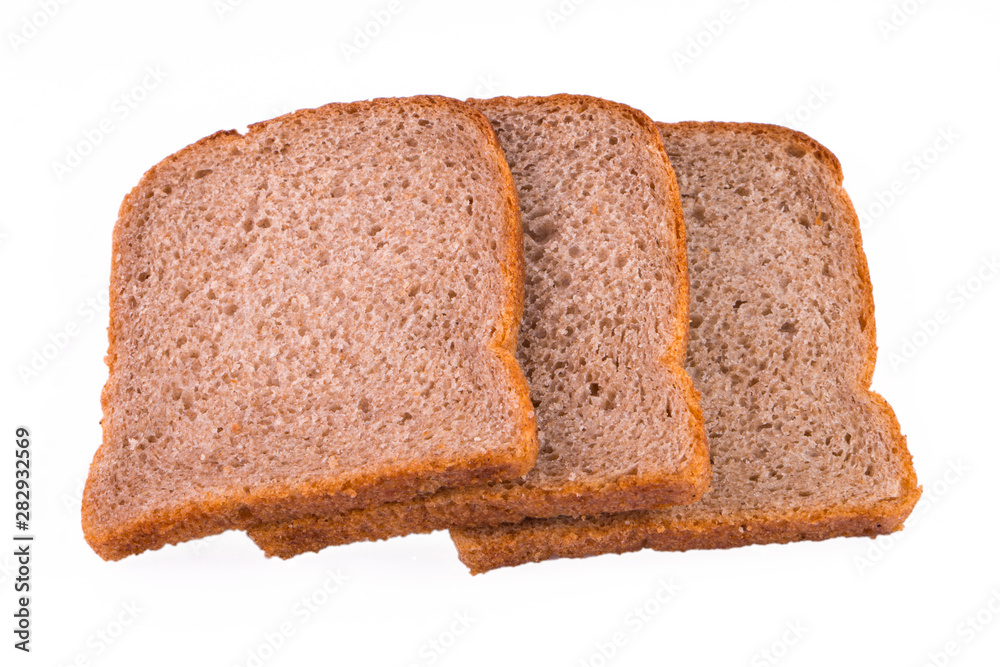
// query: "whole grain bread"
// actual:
[[317, 315], [602, 340], [782, 348]]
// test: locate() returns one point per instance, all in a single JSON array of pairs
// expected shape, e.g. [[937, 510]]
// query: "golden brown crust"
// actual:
[[468, 507], [233, 510], [821, 152], [537, 540], [504, 342]]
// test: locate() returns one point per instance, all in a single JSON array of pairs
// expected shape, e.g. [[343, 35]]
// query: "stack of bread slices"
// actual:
[[546, 324]]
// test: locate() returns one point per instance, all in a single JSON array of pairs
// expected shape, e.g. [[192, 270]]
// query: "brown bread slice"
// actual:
[[318, 315], [782, 348], [602, 339]]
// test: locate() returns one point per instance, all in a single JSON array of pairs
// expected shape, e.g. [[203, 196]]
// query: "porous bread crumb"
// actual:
[[340, 285], [782, 349], [602, 337]]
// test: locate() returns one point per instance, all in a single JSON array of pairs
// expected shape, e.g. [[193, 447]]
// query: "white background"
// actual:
[[879, 97]]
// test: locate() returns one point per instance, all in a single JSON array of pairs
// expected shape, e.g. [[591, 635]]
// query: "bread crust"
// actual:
[[462, 507], [235, 509], [535, 540], [483, 549]]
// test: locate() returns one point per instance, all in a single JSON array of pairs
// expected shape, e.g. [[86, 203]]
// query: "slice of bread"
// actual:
[[317, 315], [603, 335], [782, 348]]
